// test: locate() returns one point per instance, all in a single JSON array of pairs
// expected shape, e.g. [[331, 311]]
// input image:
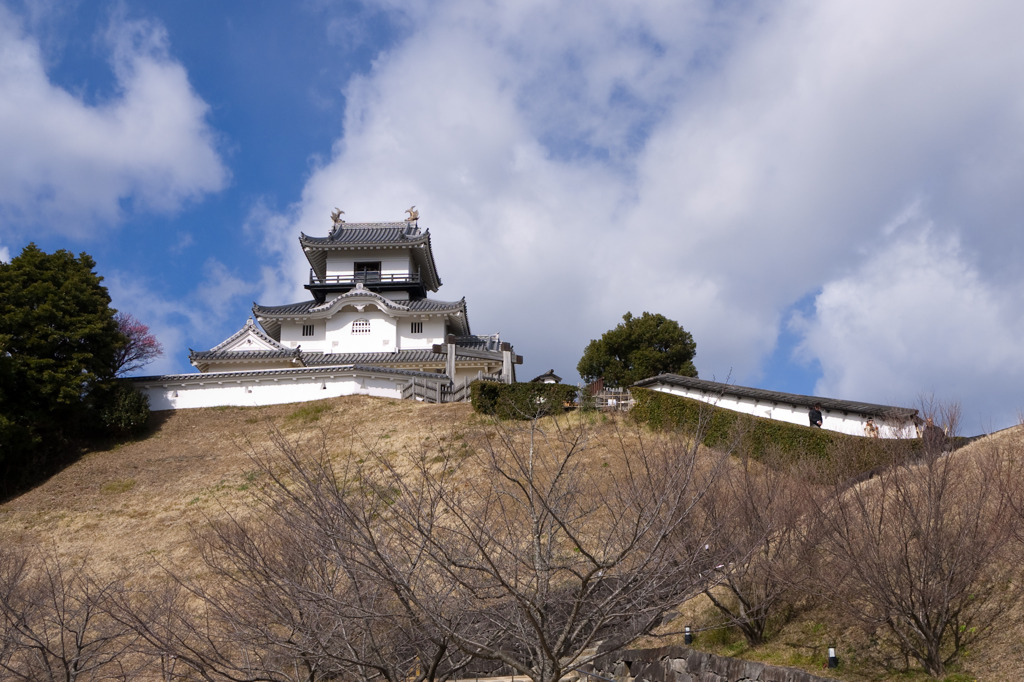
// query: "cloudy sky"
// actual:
[[827, 195]]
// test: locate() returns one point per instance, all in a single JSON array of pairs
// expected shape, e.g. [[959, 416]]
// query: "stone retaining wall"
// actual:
[[682, 664]]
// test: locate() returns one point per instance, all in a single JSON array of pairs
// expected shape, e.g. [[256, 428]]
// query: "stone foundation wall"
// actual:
[[682, 664]]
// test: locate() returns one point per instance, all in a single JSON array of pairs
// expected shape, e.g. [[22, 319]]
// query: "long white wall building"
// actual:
[[844, 416]]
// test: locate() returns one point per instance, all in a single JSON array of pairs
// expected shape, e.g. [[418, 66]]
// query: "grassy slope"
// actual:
[[132, 504], [123, 506], [803, 642]]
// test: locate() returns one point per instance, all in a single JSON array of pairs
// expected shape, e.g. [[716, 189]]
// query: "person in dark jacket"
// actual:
[[815, 415]]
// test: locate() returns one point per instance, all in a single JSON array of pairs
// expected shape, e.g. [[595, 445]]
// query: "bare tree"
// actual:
[[527, 546], [917, 552], [537, 553], [765, 543], [286, 594], [56, 624]]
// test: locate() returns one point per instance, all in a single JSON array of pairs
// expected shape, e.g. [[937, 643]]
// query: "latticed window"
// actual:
[[361, 326], [307, 330], [417, 327]]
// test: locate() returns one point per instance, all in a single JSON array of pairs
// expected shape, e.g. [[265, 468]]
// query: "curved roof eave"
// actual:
[[313, 310]]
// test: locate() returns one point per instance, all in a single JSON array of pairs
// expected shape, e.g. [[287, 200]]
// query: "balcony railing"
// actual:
[[365, 278]]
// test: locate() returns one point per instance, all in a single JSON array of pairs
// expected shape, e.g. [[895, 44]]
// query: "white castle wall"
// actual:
[[212, 389], [844, 422]]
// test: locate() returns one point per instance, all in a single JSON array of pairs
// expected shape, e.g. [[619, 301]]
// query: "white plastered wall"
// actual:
[[844, 422], [381, 337], [433, 332], [397, 262], [167, 393], [291, 335]]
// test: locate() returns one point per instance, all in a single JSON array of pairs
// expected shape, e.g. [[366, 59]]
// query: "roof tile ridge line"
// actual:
[[360, 292]]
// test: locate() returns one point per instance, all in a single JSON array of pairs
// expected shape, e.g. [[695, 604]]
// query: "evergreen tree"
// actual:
[[58, 348], [637, 348]]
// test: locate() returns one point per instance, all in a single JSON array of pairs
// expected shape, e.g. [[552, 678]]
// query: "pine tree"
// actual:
[[58, 347]]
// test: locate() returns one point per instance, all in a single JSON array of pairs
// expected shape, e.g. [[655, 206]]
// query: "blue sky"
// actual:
[[827, 195]]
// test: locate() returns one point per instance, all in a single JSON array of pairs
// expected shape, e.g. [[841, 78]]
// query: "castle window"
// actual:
[[361, 326], [417, 327], [307, 330], [367, 271]]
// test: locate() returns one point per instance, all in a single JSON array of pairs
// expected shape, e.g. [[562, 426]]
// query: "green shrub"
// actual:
[[521, 401], [125, 410]]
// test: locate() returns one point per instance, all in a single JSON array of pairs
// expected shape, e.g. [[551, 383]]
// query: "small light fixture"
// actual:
[[833, 662], [687, 635]]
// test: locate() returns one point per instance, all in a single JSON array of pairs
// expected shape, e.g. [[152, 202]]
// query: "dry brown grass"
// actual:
[[129, 505], [133, 504]]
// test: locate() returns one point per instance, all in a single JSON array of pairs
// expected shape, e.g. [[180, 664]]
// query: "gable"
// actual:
[[249, 338]]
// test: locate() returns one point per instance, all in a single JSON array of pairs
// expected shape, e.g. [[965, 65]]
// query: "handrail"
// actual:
[[366, 278]]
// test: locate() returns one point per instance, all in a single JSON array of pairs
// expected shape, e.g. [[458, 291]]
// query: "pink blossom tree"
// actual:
[[140, 346]]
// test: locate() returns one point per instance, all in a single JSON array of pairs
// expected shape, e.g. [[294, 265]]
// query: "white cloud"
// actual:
[[66, 165], [915, 319], [5, 255], [710, 166], [196, 320]]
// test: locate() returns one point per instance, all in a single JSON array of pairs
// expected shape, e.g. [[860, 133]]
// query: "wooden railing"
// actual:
[[366, 278], [437, 392]]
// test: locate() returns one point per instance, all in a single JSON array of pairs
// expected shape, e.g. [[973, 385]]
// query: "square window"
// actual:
[[417, 327], [368, 271], [307, 330], [361, 326]]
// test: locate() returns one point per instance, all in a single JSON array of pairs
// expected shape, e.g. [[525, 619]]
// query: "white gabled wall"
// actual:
[[387, 333], [342, 339]]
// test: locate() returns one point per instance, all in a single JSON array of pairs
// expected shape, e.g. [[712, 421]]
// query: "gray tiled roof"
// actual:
[[213, 376], [369, 234], [418, 355], [243, 355], [432, 305], [287, 310], [307, 307], [318, 359], [479, 342], [829, 404]]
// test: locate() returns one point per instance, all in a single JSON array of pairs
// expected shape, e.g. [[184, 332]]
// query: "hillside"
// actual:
[[123, 507], [135, 506]]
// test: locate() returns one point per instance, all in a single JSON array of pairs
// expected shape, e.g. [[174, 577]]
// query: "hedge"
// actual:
[[758, 436], [521, 401]]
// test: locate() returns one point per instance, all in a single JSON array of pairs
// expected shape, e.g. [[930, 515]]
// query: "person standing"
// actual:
[[870, 429], [815, 415]]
